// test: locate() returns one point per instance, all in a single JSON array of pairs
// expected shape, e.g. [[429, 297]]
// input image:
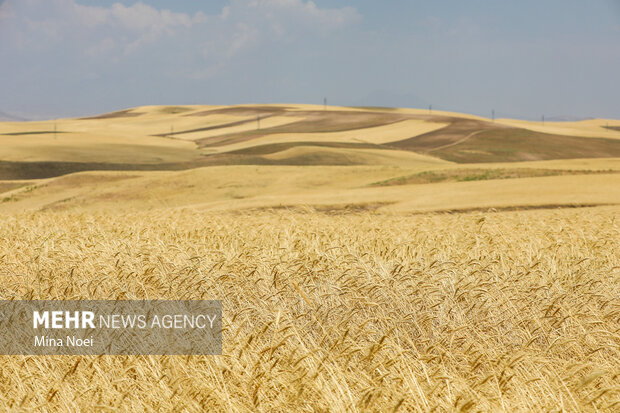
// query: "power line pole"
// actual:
[[324, 103], [543, 120], [493, 115]]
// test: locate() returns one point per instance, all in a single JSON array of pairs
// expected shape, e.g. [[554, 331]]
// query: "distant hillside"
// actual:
[[185, 137]]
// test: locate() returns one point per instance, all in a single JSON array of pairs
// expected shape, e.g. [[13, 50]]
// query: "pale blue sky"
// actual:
[[523, 58]]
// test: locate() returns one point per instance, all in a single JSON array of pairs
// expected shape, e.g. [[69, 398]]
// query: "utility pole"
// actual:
[[493, 115], [543, 120], [324, 103]]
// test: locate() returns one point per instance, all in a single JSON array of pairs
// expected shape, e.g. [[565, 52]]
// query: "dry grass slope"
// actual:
[[183, 137], [512, 311]]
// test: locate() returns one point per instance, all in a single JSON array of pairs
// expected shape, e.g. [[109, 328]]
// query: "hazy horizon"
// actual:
[[70, 58]]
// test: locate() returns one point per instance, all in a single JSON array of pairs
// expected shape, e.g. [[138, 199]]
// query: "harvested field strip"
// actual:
[[458, 130], [317, 122], [513, 144], [208, 128], [479, 174], [316, 157], [243, 111], [40, 170], [336, 121], [278, 147]]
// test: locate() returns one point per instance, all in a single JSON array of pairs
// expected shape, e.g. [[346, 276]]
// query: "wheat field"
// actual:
[[507, 311]]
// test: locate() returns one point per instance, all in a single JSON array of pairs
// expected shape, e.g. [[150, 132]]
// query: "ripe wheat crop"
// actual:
[[512, 311]]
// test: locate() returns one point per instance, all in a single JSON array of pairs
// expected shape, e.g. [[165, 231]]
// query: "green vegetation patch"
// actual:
[[18, 195], [329, 209], [479, 174]]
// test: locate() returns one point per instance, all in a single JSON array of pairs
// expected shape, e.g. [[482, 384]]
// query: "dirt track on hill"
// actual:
[[472, 141], [456, 132]]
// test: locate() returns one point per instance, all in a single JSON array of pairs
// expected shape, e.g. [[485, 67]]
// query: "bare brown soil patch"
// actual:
[[513, 145], [458, 130], [338, 121], [314, 122], [214, 127], [311, 158], [474, 141], [278, 147], [47, 169]]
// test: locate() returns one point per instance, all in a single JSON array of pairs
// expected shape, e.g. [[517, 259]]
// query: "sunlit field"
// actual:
[[333, 310], [313, 206]]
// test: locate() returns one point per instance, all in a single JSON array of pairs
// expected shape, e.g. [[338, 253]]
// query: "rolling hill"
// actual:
[[367, 259], [263, 156]]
